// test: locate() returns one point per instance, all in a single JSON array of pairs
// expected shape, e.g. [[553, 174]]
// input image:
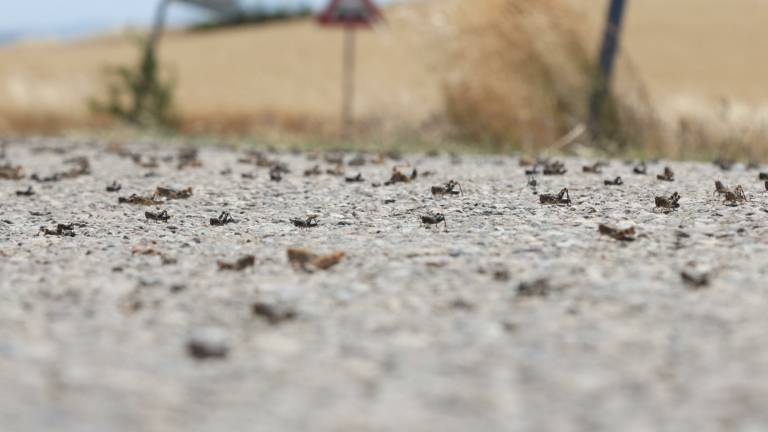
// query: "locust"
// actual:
[[524, 162], [668, 203], [114, 187], [695, 280], [239, 265], [596, 168], [223, 219], [355, 179], [641, 168], [257, 158], [139, 200], [615, 182], [10, 172], [309, 261], [62, 230], [399, 177], [554, 168], [358, 160], [667, 175], [188, 158], [720, 188], [47, 179], [273, 314], [170, 193], [534, 170], [314, 171], [338, 171], [334, 158], [162, 216], [562, 198], [434, 219], [735, 197], [275, 174], [138, 159], [627, 234], [82, 167], [28, 192], [724, 164], [448, 189], [310, 221]]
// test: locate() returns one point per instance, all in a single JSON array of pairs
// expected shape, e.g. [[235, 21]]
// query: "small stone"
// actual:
[[272, 313], [537, 288], [208, 343]]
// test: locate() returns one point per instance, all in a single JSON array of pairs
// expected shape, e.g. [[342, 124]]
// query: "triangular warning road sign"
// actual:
[[350, 13]]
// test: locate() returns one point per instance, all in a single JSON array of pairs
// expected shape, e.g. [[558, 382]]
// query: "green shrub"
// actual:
[[137, 94]]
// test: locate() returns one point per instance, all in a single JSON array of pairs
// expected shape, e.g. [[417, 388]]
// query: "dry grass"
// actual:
[[523, 75], [503, 86]]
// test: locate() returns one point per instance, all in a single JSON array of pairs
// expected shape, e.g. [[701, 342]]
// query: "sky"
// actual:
[[73, 18]]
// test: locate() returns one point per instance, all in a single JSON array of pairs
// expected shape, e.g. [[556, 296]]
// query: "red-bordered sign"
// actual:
[[350, 13]]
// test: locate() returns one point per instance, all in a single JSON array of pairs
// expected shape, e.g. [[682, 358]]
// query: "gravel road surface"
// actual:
[[517, 317]]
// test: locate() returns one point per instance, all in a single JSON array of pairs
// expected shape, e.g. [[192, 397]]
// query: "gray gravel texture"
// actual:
[[416, 329]]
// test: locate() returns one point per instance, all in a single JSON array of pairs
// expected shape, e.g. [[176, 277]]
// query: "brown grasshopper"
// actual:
[[309, 261], [554, 168], [162, 216], [720, 188], [223, 219], [735, 197], [534, 170], [271, 313], [239, 265], [399, 177], [139, 200], [314, 171], [448, 189], [188, 158], [10, 172], [627, 234], [668, 203], [114, 187], [562, 198], [641, 168], [434, 219], [596, 168], [169, 193], [275, 174], [355, 179], [667, 175], [338, 171], [27, 193], [62, 230], [311, 221]]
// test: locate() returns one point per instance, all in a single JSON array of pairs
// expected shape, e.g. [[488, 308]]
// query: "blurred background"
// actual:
[[486, 75]]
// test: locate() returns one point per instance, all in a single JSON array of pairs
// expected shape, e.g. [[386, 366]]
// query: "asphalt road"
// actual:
[[511, 316]]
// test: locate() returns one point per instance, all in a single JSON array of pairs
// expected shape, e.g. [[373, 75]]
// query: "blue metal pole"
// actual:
[[608, 51]]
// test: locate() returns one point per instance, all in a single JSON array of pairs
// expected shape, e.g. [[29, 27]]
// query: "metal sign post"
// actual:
[[608, 51], [351, 15]]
